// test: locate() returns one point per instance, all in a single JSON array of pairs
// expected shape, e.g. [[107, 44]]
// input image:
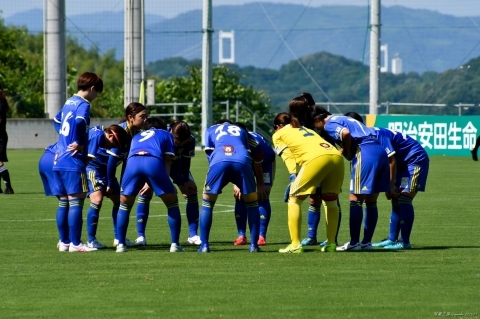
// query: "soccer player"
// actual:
[[264, 168], [474, 150], [228, 153], [148, 162], [4, 174], [320, 164], [132, 123], [369, 174], [71, 155], [99, 153]]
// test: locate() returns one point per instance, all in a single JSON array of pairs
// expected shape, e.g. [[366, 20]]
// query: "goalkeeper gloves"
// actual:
[[286, 195]]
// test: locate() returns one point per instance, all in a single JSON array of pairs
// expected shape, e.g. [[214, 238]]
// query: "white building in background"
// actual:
[[397, 65], [226, 36], [384, 51]]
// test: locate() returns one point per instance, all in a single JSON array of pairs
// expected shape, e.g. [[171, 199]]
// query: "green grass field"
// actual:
[[440, 274]]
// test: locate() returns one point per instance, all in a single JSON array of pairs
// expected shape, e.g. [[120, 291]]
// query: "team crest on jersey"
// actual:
[[325, 145], [228, 150]]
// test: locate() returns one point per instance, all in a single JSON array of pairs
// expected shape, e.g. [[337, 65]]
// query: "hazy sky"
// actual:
[[171, 8]]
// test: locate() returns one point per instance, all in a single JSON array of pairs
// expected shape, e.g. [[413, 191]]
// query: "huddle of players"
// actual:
[[234, 155]]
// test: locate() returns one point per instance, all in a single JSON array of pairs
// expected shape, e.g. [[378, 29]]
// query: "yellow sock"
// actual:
[[295, 220], [331, 219]]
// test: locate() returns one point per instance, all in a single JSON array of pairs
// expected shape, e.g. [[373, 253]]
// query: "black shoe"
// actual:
[[474, 155], [1, 190], [9, 191]]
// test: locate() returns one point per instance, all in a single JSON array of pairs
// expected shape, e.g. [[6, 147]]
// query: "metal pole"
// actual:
[[254, 122], [228, 109], [150, 92], [55, 62], [207, 85], [374, 56], [237, 106]]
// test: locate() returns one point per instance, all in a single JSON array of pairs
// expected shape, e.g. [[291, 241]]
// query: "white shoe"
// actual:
[[62, 247], [121, 248], [194, 240], [81, 248], [367, 246], [127, 242], [96, 244], [174, 248], [348, 247], [140, 241]]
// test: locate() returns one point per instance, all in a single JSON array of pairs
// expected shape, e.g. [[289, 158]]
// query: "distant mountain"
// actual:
[[425, 40]]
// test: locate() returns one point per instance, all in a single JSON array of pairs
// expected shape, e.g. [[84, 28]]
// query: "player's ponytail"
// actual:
[[120, 136]]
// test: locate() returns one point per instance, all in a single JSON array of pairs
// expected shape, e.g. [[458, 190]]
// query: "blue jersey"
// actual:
[[152, 142], [75, 108], [261, 150], [360, 133], [406, 149], [227, 143], [98, 155]]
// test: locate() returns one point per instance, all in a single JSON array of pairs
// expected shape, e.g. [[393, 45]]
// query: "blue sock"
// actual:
[[75, 220], [395, 220], [356, 216], [62, 221], [339, 219], [313, 219], [193, 213], [370, 222], [143, 211], [206, 220], [408, 216], [241, 217], [122, 222], [253, 222], [174, 222], [92, 220], [114, 219], [265, 213]]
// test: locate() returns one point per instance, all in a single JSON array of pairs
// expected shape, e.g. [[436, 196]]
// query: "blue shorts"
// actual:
[[413, 177], [45, 166], [222, 173], [97, 181], [370, 171], [146, 169], [70, 182]]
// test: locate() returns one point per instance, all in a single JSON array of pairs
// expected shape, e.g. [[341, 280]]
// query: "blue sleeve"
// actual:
[[81, 126], [95, 143]]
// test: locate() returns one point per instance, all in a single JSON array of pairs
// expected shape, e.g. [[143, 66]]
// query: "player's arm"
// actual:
[[167, 162], [393, 173], [347, 144]]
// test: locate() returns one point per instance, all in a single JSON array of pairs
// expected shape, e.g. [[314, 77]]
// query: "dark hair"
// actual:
[[119, 134], [300, 108], [3, 99], [155, 122], [132, 109], [309, 98], [355, 115], [180, 130], [285, 119], [88, 79], [241, 125], [221, 121], [319, 112]]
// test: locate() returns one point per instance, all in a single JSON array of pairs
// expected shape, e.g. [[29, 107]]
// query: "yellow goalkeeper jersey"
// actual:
[[298, 146]]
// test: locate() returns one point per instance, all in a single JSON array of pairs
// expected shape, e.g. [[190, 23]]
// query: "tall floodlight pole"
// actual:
[[374, 56], [207, 30], [134, 54], [55, 62]]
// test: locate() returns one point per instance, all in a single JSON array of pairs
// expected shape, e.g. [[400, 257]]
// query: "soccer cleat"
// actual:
[[292, 250], [329, 248], [140, 241], [127, 242], [323, 243], [254, 249], [121, 248], [398, 246], [62, 247], [309, 241], [81, 248], [176, 248], [1, 191], [194, 240], [261, 241], [348, 247], [385, 242], [96, 244], [367, 246], [474, 155], [204, 249], [9, 191], [241, 240]]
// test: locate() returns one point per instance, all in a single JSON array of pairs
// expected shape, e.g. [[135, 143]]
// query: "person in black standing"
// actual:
[[3, 142]]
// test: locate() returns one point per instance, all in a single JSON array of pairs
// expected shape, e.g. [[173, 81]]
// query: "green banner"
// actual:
[[439, 135]]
